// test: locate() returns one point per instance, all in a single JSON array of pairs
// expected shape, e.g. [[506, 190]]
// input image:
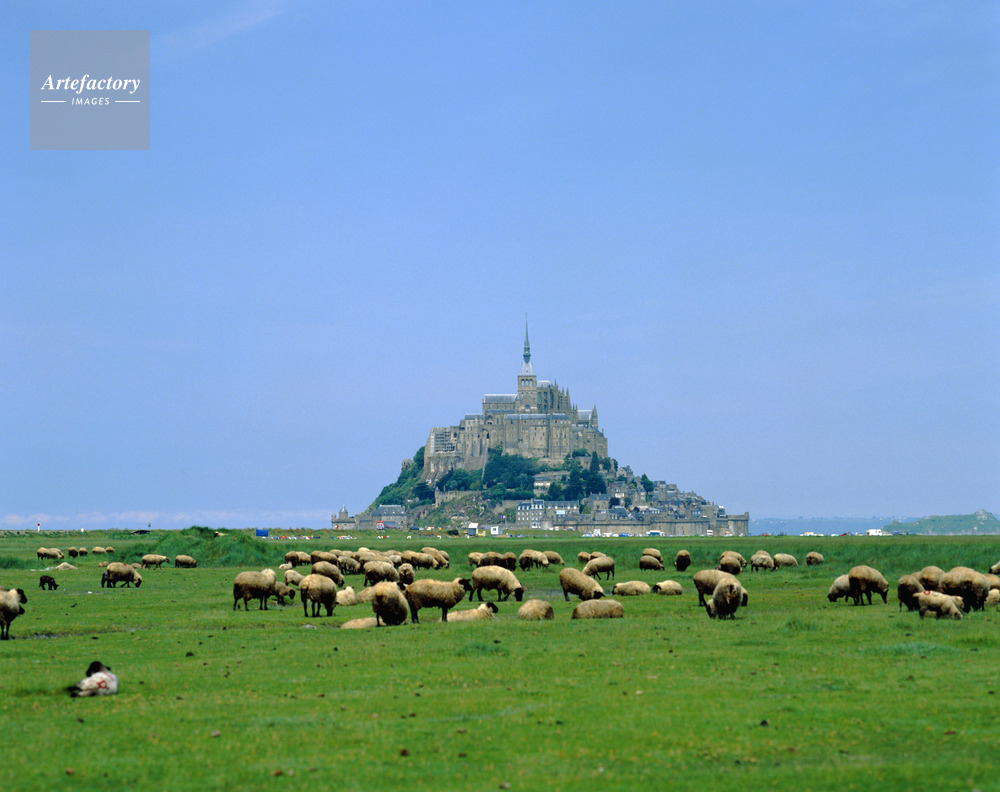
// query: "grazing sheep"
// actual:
[[281, 591], [967, 583], [98, 550], [761, 560], [595, 566], [652, 551], [554, 558], [329, 570], [482, 613], [292, 577], [784, 560], [117, 572], [573, 581], [297, 558], [72, 552], [491, 558], [47, 582], [907, 588], [389, 604], [596, 554], [185, 562], [930, 578], [532, 558], [864, 580], [419, 560], [474, 559], [941, 605], [48, 553], [499, 578], [362, 623], [582, 557], [841, 587], [319, 590], [442, 558], [151, 560], [10, 609], [733, 554], [109, 550], [346, 597], [630, 588], [349, 565], [253, 585], [82, 551], [599, 609], [706, 580], [428, 593], [378, 571], [730, 564], [648, 562], [323, 555], [536, 610], [669, 588], [406, 573], [992, 599], [725, 600], [814, 559], [682, 560], [98, 682]]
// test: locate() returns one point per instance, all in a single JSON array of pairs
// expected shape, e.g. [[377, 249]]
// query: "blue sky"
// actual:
[[762, 238]]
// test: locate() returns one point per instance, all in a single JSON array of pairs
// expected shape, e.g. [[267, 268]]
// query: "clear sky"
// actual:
[[763, 238]]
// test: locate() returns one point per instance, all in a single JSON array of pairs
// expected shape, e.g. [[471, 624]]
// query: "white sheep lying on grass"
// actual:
[[98, 682], [630, 588], [535, 610], [670, 588], [482, 613], [599, 609]]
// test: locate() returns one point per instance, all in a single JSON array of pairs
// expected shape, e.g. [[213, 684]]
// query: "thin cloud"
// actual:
[[132, 520], [212, 31]]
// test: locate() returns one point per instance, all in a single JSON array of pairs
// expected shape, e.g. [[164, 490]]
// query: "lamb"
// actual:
[[329, 570], [98, 682], [185, 562], [682, 560], [47, 582], [630, 588], [281, 591], [151, 560], [10, 609], [814, 559], [599, 609], [670, 588], [378, 571], [725, 600], [346, 597], [318, 590], [482, 613], [389, 604], [648, 562], [761, 560], [907, 588], [499, 578], [967, 583], [930, 577], [841, 587], [428, 593], [992, 599], [536, 610], [554, 558], [117, 572], [293, 577], [784, 560], [706, 580], [253, 585], [595, 566], [864, 580], [573, 581], [941, 605]]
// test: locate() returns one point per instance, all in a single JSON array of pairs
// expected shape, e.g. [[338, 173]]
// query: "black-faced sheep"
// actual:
[[941, 605], [441, 594], [967, 583], [841, 587], [116, 572], [682, 560], [595, 566], [72, 552], [283, 592], [668, 588], [185, 562], [864, 580], [47, 582], [483, 612], [725, 600], [319, 591], [573, 581], [500, 579], [648, 562], [535, 610], [785, 560], [706, 580], [814, 559], [761, 560], [98, 682], [907, 588], [599, 609], [253, 585], [930, 578], [389, 604], [630, 588], [10, 609]]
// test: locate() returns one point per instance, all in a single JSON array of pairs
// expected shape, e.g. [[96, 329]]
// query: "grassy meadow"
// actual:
[[795, 693]]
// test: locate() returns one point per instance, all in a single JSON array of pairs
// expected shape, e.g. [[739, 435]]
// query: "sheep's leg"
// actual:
[[444, 614]]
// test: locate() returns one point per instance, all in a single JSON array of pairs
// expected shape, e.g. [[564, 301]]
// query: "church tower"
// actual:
[[527, 382]]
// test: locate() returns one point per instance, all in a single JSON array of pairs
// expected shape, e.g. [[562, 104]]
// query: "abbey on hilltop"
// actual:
[[539, 421]]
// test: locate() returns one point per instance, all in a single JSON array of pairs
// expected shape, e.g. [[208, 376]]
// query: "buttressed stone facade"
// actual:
[[539, 421]]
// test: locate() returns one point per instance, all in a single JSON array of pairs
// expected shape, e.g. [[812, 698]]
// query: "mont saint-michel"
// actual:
[[534, 459]]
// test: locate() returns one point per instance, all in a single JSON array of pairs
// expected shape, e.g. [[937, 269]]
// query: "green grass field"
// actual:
[[796, 693]]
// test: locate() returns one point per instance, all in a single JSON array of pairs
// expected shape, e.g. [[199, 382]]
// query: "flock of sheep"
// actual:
[[395, 594]]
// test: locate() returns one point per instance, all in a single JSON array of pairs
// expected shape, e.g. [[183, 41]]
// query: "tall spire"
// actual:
[[527, 346]]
